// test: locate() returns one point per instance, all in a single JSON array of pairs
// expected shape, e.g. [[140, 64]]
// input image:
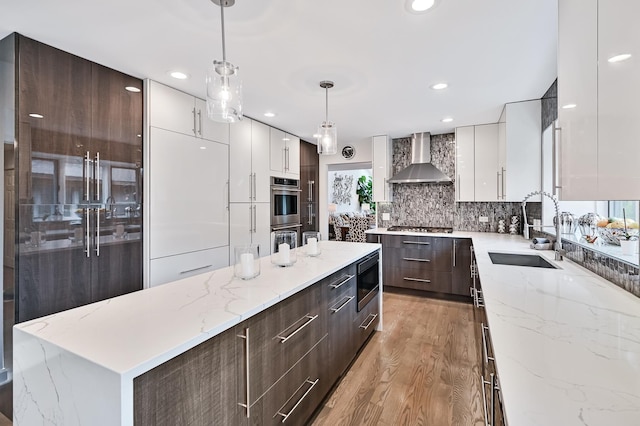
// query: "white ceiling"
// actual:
[[382, 58]]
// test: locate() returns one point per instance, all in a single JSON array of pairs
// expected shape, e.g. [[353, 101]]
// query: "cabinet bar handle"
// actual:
[[86, 171], [309, 320], [200, 122], [455, 246], [306, 382], [484, 384], [247, 383], [255, 221], [97, 177], [485, 348], [310, 197], [421, 243], [373, 318], [195, 269], [504, 193], [345, 303], [556, 159], [413, 259], [420, 280], [250, 186], [498, 197], [310, 221], [87, 237], [349, 277], [298, 225], [493, 402], [194, 120], [97, 232], [255, 187]]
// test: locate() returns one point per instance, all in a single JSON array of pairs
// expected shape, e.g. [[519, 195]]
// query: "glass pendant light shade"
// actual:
[[327, 131], [327, 138], [224, 93]]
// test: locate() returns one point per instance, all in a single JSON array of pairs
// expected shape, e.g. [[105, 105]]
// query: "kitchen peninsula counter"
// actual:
[[80, 364], [566, 341]]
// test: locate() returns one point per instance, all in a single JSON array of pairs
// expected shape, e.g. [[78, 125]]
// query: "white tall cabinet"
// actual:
[[187, 164], [477, 163], [465, 163], [381, 150], [598, 138], [250, 190]]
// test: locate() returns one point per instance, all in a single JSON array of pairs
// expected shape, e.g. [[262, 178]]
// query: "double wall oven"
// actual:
[[285, 205]]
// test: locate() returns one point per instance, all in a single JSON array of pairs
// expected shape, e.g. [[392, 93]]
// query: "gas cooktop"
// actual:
[[432, 229]]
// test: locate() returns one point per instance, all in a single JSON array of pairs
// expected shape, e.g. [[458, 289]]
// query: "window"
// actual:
[[619, 209]]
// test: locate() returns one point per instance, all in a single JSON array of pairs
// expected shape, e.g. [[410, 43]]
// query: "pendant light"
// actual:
[[327, 131], [224, 87]]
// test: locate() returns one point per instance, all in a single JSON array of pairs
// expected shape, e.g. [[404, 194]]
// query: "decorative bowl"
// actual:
[[614, 235]]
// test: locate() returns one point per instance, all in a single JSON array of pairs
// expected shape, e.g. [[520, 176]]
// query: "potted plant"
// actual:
[[365, 191]]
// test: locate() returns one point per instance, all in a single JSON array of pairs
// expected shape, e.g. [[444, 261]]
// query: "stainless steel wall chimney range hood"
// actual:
[[421, 170]]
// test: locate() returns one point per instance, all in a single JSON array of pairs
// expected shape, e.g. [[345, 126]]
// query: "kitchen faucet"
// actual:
[[558, 246]]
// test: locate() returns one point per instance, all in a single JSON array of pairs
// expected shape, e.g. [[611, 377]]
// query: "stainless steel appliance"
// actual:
[[368, 281], [285, 202]]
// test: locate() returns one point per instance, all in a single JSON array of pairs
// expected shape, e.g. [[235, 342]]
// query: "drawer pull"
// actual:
[[413, 259], [485, 348], [421, 243], [247, 365], [420, 280], [345, 303], [309, 320], [373, 318], [306, 382], [485, 410], [345, 280], [195, 269]]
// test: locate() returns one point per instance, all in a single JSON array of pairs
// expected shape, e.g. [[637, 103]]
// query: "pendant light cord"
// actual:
[[224, 50], [326, 91]]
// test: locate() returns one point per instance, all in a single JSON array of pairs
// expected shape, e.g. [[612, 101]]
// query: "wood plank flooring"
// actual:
[[423, 369]]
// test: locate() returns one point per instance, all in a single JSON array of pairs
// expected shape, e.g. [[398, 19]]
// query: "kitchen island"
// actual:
[[566, 342], [78, 367]]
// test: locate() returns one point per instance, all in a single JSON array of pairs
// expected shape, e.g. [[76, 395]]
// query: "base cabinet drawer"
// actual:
[[294, 398], [436, 281], [366, 322], [280, 336], [173, 268]]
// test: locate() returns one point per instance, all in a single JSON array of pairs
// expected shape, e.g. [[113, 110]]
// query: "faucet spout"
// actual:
[[560, 252]]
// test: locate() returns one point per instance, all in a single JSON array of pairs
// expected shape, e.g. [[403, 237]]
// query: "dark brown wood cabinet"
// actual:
[[435, 264], [309, 183], [78, 172], [273, 368]]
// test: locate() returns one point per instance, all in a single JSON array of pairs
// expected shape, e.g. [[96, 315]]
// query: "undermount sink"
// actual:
[[533, 260]]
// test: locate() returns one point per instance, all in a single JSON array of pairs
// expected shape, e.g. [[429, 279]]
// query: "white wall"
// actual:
[[363, 155], [344, 176]]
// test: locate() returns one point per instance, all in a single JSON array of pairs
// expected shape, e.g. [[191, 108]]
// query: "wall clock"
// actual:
[[348, 152]]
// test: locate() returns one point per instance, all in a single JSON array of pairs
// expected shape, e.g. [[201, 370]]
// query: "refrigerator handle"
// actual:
[[85, 171], [98, 231], [87, 235], [96, 174]]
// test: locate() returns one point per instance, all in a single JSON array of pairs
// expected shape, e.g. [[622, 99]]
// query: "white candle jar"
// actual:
[[311, 243], [284, 244], [247, 261]]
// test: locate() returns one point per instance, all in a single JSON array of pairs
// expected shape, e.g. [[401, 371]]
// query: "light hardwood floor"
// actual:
[[423, 369]]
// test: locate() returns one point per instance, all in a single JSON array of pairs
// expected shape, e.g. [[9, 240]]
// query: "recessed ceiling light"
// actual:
[[422, 5], [269, 114], [34, 115], [132, 89], [439, 86], [568, 106], [203, 147], [286, 139], [316, 136], [179, 75], [447, 120], [619, 58]]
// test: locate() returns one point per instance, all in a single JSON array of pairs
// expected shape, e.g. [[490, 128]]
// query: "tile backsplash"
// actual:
[[433, 204]]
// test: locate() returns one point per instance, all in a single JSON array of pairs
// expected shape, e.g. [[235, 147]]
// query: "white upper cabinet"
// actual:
[[520, 152], [381, 164], [465, 163], [285, 154], [487, 176], [180, 112], [241, 174], [260, 162], [598, 138]]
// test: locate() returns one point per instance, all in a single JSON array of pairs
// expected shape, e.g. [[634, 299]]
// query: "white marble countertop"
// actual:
[[566, 341], [133, 333]]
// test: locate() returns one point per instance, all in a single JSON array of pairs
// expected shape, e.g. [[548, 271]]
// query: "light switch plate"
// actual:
[[483, 219]]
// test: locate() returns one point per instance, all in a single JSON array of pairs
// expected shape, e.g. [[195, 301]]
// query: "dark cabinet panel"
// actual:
[[79, 163], [309, 182], [341, 308], [366, 322], [461, 270], [196, 388]]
